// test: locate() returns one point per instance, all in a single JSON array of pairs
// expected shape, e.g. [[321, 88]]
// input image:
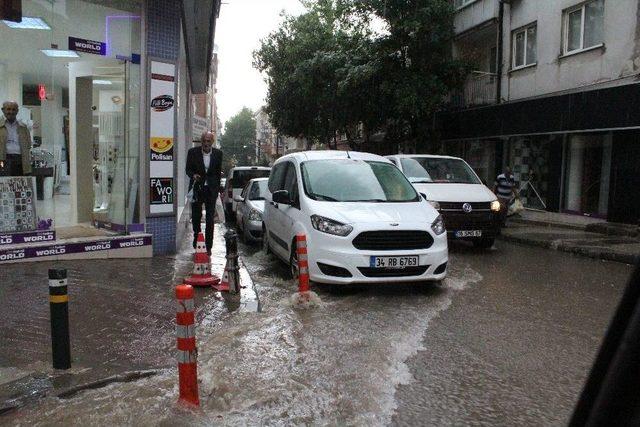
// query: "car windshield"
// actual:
[[346, 180], [414, 171], [449, 171], [258, 190], [242, 177]]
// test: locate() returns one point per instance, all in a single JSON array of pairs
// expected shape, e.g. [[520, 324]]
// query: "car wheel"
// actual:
[[265, 241], [293, 264], [485, 243], [245, 234]]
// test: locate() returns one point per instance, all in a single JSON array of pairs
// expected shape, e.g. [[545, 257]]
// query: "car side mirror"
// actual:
[[281, 196], [238, 199], [424, 196]]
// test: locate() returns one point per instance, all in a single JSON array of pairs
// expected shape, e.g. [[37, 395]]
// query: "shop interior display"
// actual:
[[17, 204], [106, 153]]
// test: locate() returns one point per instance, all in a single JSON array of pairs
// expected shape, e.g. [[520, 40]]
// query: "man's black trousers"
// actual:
[[196, 217]]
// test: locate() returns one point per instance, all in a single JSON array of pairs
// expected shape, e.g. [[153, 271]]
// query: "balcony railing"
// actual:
[[479, 89]]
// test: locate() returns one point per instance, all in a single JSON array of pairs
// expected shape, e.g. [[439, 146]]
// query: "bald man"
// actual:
[[15, 143], [204, 165]]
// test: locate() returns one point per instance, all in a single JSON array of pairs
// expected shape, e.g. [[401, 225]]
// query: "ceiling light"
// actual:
[[29, 23], [55, 53], [102, 82]]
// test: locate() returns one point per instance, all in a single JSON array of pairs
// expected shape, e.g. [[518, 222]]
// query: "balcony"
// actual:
[[474, 13], [479, 90]]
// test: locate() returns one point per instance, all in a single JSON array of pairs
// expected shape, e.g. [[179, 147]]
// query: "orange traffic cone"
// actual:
[[201, 268]]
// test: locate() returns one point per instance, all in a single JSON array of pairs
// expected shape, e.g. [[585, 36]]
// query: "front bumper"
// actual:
[[340, 253], [487, 222]]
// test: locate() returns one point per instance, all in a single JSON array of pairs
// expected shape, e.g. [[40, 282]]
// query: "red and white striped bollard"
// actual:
[[303, 263], [187, 352]]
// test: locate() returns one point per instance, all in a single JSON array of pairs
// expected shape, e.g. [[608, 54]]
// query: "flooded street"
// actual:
[[491, 344]]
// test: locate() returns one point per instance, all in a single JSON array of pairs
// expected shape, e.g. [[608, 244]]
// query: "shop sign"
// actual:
[[161, 191], [88, 46], [73, 248], [161, 138], [162, 103], [199, 125], [161, 149], [31, 237]]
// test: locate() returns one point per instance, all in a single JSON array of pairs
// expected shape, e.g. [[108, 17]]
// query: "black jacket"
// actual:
[[195, 165]]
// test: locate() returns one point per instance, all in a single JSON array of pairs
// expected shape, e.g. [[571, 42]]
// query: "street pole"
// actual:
[[59, 312]]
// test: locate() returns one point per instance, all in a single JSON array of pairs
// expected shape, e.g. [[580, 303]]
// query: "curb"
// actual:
[[590, 252]]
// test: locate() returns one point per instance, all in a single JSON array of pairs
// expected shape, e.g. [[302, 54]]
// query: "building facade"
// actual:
[[270, 144], [109, 90], [554, 95]]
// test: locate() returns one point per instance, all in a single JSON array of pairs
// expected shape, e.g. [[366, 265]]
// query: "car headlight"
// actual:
[[438, 226], [330, 226], [495, 206], [436, 205], [255, 215]]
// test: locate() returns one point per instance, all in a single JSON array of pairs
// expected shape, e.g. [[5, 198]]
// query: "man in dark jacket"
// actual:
[[204, 165]]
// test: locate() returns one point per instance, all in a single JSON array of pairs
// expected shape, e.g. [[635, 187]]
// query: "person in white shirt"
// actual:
[[15, 143], [204, 165]]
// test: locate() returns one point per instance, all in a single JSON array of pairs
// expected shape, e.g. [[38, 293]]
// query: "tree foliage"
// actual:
[[383, 64], [238, 140]]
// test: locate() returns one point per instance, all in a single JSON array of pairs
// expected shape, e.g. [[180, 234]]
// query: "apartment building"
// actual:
[[554, 94]]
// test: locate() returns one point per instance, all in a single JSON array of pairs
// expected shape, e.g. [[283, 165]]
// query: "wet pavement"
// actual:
[[506, 339]]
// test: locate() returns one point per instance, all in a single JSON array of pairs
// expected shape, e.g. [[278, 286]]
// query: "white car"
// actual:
[[250, 208], [470, 210], [237, 179], [363, 220]]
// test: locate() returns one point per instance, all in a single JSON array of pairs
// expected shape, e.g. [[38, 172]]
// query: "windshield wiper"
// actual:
[[370, 200], [323, 197], [422, 181]]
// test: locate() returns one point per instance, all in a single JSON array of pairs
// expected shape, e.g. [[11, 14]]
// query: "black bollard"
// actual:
[[59, 308], [231, 243]]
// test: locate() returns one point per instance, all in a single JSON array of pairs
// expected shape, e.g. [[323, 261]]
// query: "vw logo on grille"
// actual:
[[467, 207]]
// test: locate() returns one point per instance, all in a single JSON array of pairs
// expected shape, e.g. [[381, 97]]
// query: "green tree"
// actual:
[[384, 65], [238, 140]]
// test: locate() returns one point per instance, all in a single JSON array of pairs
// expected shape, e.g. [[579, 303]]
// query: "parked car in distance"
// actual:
[[237, 179], [250, 208], [363, 220], [223, 183], [470, 210]]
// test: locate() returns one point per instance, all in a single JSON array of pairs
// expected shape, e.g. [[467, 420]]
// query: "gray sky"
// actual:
[[241, 25]]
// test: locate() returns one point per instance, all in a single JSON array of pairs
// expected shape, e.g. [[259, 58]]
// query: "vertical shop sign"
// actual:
[[161, 132]]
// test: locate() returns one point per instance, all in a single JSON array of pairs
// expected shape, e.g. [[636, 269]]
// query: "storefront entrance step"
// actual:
[[95, 247]]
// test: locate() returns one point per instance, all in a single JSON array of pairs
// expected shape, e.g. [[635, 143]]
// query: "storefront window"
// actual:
[[530, 160], [587, 172], [76, 78]]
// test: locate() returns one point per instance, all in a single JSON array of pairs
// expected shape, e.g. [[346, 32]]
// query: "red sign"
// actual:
[[42, 92]]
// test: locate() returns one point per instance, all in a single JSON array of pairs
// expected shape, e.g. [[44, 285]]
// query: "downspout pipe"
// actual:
[[499, 54]]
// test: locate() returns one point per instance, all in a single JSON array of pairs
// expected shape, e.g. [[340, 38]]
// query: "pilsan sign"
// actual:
[[87, 46], [161, 138]]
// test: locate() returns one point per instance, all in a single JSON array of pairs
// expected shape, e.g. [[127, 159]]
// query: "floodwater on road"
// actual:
[[338, 363], [470, 350]]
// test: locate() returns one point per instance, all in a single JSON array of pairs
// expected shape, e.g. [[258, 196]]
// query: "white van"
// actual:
[[364, 221], [470, 210], [237, 179]]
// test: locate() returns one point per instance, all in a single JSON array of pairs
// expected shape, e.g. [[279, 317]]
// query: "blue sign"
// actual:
[[88, 46]]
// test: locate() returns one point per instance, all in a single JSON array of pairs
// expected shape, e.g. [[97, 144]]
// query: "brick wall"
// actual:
[[163, 33], [163, 230], [163, 42]]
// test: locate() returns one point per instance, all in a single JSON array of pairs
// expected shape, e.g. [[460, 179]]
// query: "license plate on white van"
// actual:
[[393, 261], [468, 233]]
